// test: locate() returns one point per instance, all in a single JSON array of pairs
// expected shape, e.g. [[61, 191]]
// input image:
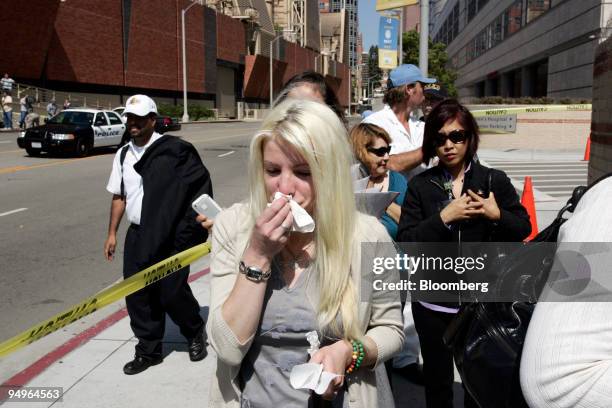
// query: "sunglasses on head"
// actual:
[[381, 151], [456, 136]]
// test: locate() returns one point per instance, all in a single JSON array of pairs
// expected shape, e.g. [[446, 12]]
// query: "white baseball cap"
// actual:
[[140, 105]]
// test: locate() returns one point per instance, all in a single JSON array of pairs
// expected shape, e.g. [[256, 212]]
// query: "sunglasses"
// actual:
[[456, 136], [381, 151]]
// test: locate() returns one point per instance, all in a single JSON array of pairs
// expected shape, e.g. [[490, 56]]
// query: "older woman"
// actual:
[[271, 285], [457, 200], [371, 147]]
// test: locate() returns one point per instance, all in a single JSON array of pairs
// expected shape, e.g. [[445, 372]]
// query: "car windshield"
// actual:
[[73, 118]]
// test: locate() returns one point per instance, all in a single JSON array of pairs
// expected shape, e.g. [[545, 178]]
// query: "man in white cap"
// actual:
[[400, 119], [162, 223]]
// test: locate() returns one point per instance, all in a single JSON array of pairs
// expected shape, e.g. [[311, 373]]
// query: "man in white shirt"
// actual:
[[162, 223], [7, 110], [400, 119]]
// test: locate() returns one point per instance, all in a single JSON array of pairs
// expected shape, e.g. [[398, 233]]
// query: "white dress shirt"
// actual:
[[401, 140], [132, 182]]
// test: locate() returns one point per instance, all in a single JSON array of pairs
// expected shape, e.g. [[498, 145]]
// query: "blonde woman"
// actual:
[[271, 285]]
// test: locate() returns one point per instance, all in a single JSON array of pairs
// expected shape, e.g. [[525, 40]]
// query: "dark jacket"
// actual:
[[173, 176], [420, 220]]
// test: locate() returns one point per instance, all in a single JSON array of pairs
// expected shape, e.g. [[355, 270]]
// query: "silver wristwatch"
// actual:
[[253, 273]]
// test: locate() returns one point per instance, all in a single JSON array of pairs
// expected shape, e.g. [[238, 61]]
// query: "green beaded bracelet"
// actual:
[[357, 357]]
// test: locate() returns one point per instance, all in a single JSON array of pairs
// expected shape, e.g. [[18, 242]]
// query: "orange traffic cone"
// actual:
[[529, 203], [587, 150]]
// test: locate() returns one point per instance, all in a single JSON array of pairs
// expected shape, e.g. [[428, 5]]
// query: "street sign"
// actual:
[[391, 4], [497, 124], [388, 29]]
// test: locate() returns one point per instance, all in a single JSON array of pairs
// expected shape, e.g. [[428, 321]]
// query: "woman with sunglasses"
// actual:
[[371, 147], [457, 200]]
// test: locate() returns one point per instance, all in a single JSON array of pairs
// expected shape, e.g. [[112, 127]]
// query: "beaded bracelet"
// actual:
[[358, 356]]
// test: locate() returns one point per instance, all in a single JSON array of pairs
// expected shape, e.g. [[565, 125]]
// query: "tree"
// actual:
[[373, 70], [438, 60]]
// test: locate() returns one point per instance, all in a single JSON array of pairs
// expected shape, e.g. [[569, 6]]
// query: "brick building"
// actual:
[[120, 47]]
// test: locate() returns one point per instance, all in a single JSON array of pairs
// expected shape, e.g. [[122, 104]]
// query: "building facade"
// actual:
[[350, 6], [121, 47], [520, 48]]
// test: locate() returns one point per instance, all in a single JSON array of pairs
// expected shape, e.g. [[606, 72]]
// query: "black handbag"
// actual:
[[487, 338]]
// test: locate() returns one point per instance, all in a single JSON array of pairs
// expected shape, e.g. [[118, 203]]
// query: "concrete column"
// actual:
[[527, 81], [506, 84]]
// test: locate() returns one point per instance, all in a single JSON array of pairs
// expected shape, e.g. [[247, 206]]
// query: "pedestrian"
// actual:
[[371, 145], [23, 110], [32, 119], [7, 110], [51, 108], [66, 104], [276, 280], [311, 85], [434, 94], [154, 180], [459, 200], [7, 83], [567, 356], [400, 119]]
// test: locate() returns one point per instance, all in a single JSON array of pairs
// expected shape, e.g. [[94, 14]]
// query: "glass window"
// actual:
[[497, 31], [114, 119], [471, 9], [512, 18], [535, 8], [101, 120], [482, 3]]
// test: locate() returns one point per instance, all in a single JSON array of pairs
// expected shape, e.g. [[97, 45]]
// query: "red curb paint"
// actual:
[[28, 374]]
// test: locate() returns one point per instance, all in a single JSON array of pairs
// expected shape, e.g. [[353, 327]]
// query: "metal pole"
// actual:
[[401, 37], [424, 38], [185, 114], [271, 73], [349, 91]]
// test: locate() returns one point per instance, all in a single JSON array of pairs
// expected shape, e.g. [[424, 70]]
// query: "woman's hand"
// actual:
[[334, 358], [205, 222], [489, 205], [271, 230], [462, 208]]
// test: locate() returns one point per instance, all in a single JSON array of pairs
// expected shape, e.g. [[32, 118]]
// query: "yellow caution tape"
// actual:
[[530, 109], [104, 298]]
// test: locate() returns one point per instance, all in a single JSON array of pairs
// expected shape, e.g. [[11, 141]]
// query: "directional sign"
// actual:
[[391, 4]]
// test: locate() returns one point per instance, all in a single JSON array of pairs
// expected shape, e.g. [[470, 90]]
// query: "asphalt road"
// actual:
[[52, 238]]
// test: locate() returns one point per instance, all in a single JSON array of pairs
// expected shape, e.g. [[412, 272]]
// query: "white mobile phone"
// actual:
[[204, 205]]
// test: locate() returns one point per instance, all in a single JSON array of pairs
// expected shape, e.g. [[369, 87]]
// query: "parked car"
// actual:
[[75, 130]]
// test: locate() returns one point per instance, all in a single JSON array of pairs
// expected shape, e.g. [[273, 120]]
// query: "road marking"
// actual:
[[6, 141], [22, 168], [227, 154], [12, 212], [13, 151]]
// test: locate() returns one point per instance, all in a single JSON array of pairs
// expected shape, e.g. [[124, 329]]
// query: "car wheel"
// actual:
[[33, 152], [82, 148]]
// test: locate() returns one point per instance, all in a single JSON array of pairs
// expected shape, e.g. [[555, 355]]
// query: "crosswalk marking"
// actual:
[[554, 178]]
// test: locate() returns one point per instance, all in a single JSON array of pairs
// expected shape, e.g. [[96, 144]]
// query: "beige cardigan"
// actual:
[[379, 312]]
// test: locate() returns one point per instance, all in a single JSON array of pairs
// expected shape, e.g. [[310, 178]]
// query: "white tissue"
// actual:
[[311, 376], [302, 221], [313, 340]]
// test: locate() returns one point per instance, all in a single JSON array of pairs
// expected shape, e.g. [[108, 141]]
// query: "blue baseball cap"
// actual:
[[407, 74]]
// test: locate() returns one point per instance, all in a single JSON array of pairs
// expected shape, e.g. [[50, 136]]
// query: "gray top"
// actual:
[[280, 343]]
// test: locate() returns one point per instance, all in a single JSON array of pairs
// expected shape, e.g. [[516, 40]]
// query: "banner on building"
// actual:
[[388, 31], [391, 4]]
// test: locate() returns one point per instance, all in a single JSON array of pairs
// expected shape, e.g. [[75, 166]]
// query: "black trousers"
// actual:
[[147, 308], [437, 358]]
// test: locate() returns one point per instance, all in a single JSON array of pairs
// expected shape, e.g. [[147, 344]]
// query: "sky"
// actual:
[[368, 23]]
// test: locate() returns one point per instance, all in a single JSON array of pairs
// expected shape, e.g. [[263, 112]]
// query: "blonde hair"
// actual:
[[363, 136], [316, 133]]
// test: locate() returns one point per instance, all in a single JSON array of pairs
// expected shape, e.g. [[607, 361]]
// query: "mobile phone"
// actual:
[[204, 205]]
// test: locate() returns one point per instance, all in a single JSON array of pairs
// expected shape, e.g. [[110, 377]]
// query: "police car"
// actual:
[[75, 131]]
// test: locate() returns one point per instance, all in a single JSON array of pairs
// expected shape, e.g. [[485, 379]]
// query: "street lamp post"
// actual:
[[185, 114], [278, 37]]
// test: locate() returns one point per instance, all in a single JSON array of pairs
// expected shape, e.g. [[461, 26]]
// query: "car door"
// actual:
[[117, 127], [102, 130]]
